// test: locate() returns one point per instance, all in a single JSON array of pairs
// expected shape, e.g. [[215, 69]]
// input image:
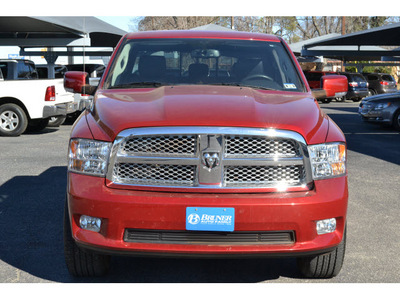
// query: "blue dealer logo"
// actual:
[[193, 219]]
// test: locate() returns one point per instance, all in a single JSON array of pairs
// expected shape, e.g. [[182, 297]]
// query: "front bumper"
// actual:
[[123, 209], [383, 116]]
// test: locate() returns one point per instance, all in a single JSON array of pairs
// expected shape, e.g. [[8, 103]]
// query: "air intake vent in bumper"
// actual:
[[209, 238]]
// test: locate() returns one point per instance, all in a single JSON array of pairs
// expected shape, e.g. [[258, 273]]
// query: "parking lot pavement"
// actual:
[[32, 192]]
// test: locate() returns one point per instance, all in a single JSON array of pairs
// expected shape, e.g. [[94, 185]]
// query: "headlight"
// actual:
[[328, 160], [380, 106], [88, 156]]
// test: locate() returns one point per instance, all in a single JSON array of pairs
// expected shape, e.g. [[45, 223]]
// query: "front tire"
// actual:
[[13, 120], [326, 265], [396, 120], [371, 92], [341, 99], [82, 263], [56, 121]]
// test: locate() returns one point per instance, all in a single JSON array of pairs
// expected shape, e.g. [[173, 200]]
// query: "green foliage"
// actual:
[[375, 69], [351, 69]]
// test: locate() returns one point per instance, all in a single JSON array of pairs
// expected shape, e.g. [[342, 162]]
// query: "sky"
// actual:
[[121, 22]]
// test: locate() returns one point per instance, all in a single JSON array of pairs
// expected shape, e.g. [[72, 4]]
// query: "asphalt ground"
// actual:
[[32, 192]]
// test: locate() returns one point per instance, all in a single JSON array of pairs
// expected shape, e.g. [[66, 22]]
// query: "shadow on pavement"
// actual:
[[43, 131], [31, 239]]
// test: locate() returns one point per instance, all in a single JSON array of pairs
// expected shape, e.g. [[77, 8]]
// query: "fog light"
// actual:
[[90, 223], [326, 226]]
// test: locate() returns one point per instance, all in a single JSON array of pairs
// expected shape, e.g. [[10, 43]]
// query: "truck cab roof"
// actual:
[[202, 34]]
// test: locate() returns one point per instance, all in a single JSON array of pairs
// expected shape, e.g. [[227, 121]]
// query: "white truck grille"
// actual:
[[209, 157]]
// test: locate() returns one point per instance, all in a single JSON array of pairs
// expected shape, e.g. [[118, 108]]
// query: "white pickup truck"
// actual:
[[27, 102]]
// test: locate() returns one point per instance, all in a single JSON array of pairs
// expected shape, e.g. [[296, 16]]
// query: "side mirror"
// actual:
[[333, 86], [77, 82]]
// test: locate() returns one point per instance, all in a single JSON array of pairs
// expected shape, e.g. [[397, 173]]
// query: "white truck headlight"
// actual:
[[327, 160], [88, 156]]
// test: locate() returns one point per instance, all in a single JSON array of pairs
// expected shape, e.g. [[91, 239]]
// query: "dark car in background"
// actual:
[[383, 109], [380, 83], [358, 86]]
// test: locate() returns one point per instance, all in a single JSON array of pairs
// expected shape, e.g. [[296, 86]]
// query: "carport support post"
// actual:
[[70, 57], [51, 58], [359, 68]]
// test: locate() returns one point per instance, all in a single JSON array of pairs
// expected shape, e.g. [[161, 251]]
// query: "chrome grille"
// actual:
[[210, 158], [154, 174], [236, 146], [161, 145], [262, 175]]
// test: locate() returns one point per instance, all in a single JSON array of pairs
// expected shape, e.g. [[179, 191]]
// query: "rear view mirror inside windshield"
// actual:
[[205, 53]]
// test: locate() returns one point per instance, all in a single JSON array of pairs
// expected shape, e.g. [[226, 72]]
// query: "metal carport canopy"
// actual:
[[359, 43], [49, 32], [58, 32]]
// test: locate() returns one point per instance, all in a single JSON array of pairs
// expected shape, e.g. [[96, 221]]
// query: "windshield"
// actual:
[[156, 62]]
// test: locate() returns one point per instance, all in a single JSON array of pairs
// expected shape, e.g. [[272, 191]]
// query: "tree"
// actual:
[[174, 23], [292, 29]]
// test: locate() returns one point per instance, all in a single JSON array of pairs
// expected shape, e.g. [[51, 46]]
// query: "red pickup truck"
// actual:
[[205, 144]]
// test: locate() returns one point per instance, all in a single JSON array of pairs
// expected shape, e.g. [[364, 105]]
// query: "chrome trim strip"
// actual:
[[158, 160], [263, 161]]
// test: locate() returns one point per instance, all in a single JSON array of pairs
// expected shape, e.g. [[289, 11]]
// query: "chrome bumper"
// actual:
[[61, 109]]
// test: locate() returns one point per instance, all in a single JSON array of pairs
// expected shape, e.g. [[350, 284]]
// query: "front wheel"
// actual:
[[342, 99], [56, 121], [82, 263], [396, 120], [327, 100], [371, 92], [13, 120], [326, 265]]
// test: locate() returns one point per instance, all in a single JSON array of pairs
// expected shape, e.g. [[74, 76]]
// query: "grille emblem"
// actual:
[[210, 160]]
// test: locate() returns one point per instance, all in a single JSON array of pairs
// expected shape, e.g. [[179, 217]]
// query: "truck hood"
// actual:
[[195, 105]]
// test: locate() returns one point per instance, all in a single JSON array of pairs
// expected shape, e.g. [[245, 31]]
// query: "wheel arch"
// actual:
[[6, 100], [395, 114]]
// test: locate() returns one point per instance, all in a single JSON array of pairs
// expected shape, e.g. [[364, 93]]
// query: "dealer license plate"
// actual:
[[210, 218]]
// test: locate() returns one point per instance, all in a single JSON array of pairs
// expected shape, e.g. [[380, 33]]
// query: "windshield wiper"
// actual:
[[227, 83], [137, 85], [258, 87], [243, 85]]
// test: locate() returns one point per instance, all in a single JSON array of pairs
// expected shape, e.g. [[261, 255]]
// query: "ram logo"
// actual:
[[210, 160]]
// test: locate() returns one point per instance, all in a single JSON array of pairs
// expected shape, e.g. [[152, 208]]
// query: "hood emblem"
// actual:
[[210, 160]]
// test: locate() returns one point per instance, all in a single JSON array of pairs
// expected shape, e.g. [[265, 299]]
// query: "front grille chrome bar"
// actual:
[[209, 158]]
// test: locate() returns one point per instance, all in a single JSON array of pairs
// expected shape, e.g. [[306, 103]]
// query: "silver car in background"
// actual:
[[384, 108]]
